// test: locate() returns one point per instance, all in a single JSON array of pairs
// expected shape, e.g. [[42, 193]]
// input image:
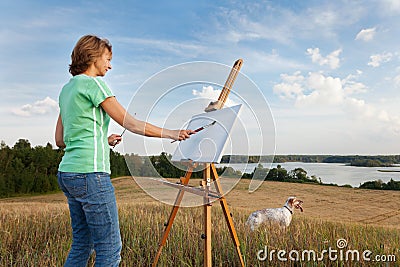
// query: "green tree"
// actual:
[[298, 174]]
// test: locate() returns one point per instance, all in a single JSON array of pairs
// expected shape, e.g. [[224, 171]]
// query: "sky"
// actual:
[[329, 70]]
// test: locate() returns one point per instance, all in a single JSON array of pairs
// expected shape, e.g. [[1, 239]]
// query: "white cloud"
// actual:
[[350, 86], [314, 90], [359, 109], [41, 107], [209, 92], [377, 59], [324, 91], [291, 87], [332, 60], [320, 92], [366, 34]]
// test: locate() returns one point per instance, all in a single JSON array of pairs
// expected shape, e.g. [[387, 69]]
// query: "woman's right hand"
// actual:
[[180, 135]]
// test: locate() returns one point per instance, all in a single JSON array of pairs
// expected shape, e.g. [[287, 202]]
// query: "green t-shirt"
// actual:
[[85, 125]]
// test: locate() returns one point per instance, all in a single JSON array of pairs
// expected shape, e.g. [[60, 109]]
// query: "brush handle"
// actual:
[[198, 130]]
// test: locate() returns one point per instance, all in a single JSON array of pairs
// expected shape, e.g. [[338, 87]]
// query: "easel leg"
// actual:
[[208, 172], [227, 213], [207, 239], [172, 216], [207, 217]]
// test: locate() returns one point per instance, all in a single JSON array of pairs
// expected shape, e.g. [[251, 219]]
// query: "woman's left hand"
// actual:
[[114, 139]]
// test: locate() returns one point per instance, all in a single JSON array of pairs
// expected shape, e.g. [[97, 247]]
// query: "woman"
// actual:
[[86, 105]]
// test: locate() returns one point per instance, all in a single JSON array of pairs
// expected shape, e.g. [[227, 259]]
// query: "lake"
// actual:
[[336, 173]]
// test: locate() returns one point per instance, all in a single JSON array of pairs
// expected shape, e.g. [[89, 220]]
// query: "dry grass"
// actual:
[[328, 203], [35, 231], [320, 202]]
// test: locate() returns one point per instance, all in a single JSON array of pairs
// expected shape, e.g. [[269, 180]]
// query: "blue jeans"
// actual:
[[94, 218]]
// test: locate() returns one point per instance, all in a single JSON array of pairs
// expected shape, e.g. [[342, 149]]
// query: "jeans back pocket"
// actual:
[[74, 183]]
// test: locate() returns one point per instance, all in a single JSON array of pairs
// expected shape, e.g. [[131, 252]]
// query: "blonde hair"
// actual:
[[86, 50]]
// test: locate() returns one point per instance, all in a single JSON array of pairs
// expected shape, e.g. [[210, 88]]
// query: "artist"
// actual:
[[86, 105]]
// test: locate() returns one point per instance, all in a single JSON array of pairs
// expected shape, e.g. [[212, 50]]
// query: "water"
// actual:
[[335, 173]]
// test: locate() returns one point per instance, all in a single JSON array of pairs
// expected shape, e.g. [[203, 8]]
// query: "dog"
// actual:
[[281, 216]]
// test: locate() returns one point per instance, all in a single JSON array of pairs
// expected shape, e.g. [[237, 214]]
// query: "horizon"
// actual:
[[266, 155]]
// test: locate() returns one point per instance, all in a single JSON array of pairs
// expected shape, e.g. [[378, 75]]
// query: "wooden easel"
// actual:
[[209, 174]]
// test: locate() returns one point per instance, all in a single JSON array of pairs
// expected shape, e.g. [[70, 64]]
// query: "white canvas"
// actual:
[[207, 145]]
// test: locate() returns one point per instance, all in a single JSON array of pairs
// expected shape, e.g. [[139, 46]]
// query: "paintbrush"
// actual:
[[200, 129], [115, 141]]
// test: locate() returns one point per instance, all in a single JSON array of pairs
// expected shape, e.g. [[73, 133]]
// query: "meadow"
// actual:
[[35, 231]]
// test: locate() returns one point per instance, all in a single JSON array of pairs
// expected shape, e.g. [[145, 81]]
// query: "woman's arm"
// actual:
[[118, 113], [59, 134]]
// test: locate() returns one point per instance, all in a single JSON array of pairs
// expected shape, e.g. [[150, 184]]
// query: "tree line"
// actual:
[[380, 185], [28, 170], [354, 160]]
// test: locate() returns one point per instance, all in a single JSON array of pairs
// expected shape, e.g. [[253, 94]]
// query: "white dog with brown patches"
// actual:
[[281, 216]]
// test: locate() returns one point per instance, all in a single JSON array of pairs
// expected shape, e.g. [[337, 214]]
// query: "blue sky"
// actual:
[[328, 69]]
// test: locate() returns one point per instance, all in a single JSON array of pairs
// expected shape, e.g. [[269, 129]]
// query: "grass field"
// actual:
[[35, 231]]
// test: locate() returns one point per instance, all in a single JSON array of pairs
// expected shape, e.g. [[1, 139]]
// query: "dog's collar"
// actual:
[[291, 212]]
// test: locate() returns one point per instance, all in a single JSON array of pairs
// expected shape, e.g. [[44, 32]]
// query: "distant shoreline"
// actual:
[[388, 171], [381, 161]]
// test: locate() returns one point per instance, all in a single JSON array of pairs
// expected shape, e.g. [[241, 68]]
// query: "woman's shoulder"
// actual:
[[82, 78], [88, 79], [79, 83], [86, 84]]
